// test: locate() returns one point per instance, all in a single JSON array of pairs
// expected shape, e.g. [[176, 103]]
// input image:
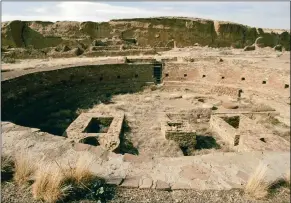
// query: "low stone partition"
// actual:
[[227, 132], [120, 52], [141, 60]]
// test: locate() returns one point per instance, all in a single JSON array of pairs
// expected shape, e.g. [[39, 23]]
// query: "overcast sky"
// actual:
[[258, 14]]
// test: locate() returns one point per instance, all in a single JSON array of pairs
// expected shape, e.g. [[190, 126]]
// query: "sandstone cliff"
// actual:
[[141, 32]]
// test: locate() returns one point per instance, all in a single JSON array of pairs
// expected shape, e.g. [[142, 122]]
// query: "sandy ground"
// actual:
[[14, 194]]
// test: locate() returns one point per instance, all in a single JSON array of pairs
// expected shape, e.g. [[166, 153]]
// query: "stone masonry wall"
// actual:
[[223, 129], [220, 75]]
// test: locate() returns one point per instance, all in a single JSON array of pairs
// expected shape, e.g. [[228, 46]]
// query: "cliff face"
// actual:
[[153, 32]]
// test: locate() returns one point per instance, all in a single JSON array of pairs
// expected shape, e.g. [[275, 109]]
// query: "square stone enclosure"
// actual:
[[97, 129], [245, 134], [175, 127]]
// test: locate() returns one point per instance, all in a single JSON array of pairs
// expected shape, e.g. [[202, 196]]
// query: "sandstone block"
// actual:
[[180, 186], [131, 182], [145, 183], [114, 181], [161, 185]]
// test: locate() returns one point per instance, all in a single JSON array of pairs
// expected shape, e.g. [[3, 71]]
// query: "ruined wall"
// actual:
[[223, 129], [249, 135], [49, 100], [236, 77], [153, 32]]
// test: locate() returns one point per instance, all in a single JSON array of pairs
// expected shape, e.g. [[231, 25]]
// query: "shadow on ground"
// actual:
[[126, 145], [206, 142]]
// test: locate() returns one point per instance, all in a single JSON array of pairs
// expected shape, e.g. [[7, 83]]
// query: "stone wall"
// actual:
[[223, 129], [49, 100], [235, 77]]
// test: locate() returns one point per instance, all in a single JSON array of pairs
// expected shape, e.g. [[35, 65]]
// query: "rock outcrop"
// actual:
[[141, 32]]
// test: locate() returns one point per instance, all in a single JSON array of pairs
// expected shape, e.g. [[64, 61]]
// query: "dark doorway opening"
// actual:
[[157, 72]]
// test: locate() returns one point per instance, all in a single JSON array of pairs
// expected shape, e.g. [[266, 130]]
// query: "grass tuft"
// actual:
[[24, 167], [49, 184], [256, 186], [55, 183]]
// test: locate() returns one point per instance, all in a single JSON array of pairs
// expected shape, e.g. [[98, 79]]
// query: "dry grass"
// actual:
[[55, 182], [24, 167], [7, 167], [49, 184], [6, 163], [256, 186], [81, 172]]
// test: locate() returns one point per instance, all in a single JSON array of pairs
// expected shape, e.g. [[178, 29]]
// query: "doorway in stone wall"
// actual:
[[157, 72]]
